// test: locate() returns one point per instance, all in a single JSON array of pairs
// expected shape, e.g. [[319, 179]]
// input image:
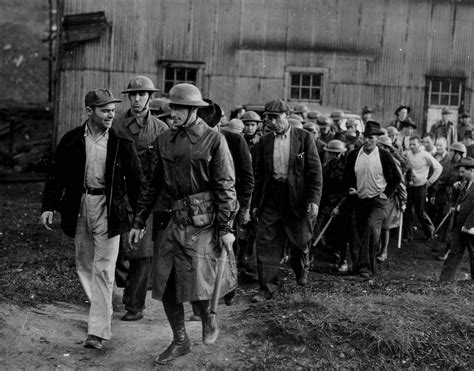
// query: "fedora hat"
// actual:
[[372, 128], [211, 114], [408, 122], [367, 109], [446, 111], [336, 146], [467, 162], [402, 107]]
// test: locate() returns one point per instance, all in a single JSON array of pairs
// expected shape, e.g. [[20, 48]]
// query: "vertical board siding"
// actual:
[[377, 52]]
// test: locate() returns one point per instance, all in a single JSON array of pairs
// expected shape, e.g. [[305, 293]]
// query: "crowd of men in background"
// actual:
[[187, 196]]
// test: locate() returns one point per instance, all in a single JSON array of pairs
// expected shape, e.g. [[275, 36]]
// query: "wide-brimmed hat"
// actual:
[[408, 122], [372, 128], [300, 108], [99, 98], [336, 146], [324, 121], [402, 107], [446, 111], [467, 162], [294, 116], [465, 114], [313, 116], [367, 109], [458, 147], [385, 140], [211, 114]]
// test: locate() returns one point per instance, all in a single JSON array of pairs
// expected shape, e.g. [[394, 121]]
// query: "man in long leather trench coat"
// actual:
[[195, 172], [143, 128]]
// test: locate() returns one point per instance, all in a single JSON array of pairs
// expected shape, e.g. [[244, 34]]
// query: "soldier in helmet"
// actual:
[[142, 127], [288, 182], [193, 175]]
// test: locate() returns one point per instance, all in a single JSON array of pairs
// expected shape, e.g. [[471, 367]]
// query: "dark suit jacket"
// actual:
[[465, 216], [304, 171], [243, 166]]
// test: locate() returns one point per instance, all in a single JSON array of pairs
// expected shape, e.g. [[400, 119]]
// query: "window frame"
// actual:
[[324, 72], [443, 81], [163, 65]]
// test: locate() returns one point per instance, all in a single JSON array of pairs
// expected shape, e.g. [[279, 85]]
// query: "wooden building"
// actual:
[[340, 53]]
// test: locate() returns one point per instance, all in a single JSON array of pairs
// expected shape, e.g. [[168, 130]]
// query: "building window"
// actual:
[[173, 72], [445, 92], [306, 84]]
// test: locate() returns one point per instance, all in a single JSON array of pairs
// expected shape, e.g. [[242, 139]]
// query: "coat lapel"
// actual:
[[294, 148], [269, 153]]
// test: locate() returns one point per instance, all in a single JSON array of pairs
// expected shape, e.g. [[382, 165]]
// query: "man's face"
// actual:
[[428, 143], [366, 116], [464, 120], [351, 130], [250, 127], [414, 145], [180, 114], [465, 173], [101, 117], [138, 101], [440, 147], [407, 131], [402, 114], [445, 117], [279, 122], [370, 142], [467, 141]]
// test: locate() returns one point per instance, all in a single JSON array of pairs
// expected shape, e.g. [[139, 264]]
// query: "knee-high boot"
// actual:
[[180, 344], [210, 329]]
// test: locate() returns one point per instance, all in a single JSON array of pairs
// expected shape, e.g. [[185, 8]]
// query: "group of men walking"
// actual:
[[171, 187]]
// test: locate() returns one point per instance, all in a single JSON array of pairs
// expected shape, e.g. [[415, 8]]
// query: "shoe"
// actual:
[[93, 342], [129, 316], [229, 298], [444, 256], [382, 257], [364, 275], [261, 296], [194, 318], [303, 280], [343, 268], [175, 349]]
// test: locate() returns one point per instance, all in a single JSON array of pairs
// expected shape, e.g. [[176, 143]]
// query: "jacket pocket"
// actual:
[[201, 209]]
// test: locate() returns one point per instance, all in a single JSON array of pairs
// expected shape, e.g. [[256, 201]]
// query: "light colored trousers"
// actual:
[[96, 255]]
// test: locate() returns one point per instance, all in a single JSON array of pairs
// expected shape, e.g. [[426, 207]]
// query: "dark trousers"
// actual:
[[138, 280], [369, 214], [460, 242], [417, 200], [277, 224]]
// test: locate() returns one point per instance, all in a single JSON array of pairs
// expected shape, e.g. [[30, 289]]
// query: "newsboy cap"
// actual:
[[276, 106], [99, 98]]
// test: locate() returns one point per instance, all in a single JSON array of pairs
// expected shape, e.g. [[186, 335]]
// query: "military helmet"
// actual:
[[140, 83], [458, 147], [336, 146], [251, 116], [186, 95], [300, 108], [157, 104]]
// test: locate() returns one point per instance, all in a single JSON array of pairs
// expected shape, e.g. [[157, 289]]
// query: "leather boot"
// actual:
[[210, 329], [180, 344]]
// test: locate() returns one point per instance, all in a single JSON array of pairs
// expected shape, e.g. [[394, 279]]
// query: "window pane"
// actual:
[[168, 86], [444, 100], [295, 79], [305, 93], [294, 93], [454, 100], [435, 85], [306, 80], [434, 99], [169, 73], [455, 87], [445, 86], [316, 80], [315, 94], [180, 74], [191, 75]]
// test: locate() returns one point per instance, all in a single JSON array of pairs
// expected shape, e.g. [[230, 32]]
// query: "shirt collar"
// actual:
[[283, 135], [193, 131], [87, 132]]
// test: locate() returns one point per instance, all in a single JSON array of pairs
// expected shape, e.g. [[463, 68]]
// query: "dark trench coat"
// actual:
[[194, 171]]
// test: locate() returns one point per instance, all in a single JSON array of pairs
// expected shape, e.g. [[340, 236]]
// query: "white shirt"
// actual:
[[369, 174], [281, 155], [96, 153]]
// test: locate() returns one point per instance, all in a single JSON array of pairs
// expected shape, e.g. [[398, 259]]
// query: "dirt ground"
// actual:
[[403, 318], [52, 336]]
